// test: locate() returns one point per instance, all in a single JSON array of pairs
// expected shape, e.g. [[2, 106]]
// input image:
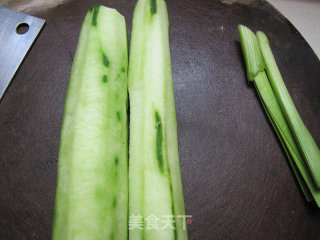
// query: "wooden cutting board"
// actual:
[[236, 177]]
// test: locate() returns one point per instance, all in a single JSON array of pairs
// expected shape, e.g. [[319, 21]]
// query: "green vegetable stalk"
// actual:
[[263, 71], [305, 142]]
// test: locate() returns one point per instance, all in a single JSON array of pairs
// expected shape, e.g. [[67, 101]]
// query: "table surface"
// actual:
[[237, 181], [303, 15]]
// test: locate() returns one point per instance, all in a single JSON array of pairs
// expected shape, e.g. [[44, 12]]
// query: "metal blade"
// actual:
[[14, 46]]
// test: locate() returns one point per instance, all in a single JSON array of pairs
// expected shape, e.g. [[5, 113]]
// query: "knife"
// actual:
[[17, 33]]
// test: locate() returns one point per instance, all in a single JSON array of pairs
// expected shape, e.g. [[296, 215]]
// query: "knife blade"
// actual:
[[14, 44]]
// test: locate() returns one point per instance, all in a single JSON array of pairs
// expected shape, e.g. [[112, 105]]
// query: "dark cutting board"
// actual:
[[236, 177]]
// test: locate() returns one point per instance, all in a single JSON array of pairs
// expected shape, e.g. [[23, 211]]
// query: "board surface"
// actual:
[[236, 177]]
